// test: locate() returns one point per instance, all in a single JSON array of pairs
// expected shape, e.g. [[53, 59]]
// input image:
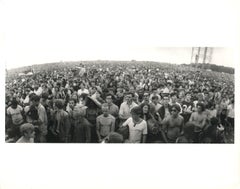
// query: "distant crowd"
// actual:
[[120, 103]]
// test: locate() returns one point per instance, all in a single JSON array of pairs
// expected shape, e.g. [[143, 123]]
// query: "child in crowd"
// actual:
[[28, 133]]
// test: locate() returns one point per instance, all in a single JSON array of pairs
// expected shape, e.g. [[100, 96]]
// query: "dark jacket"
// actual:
[[62, 127], [161, 111]]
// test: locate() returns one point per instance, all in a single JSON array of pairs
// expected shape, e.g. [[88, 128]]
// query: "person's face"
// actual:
[[174, 98], [155, 100], [146, 96], [129, 98], [119, 94], [174, 112], [200, 97], [109, 99], [105, 110], [71, 104], [94, 90], [224, 112], [97, 94], [135, 116], [165, 100], [30, 134], [55, 107], [188, 97], [74, 96], [199, 108], [132, 90], [35, 103], [14, 106], [145, 109]]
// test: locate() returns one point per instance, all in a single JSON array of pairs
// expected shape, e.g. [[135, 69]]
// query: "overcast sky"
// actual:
[[48, 31]]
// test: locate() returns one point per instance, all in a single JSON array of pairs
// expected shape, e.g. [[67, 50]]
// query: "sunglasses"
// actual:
[[173, 110]]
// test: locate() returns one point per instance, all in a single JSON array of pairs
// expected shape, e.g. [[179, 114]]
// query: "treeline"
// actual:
[[213, 67]]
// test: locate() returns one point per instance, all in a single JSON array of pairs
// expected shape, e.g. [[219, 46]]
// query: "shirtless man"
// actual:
[[105, 123], [198, 119], [173, 124]]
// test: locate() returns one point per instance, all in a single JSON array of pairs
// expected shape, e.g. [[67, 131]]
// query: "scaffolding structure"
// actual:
[[201, 55]]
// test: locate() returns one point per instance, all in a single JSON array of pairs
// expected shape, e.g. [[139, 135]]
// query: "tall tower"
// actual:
[[201, 55]]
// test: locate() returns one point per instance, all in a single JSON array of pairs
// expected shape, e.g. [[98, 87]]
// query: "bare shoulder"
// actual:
[[181, 118], [166, 119], [112, 117]]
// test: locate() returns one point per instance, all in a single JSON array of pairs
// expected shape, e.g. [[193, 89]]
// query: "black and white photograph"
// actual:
[[119, 94], [130, 101]]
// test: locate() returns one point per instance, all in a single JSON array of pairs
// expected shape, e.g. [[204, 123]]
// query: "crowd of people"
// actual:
[[115, 102]]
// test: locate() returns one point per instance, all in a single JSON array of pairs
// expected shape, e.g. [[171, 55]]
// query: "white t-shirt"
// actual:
[[80, 91], [23, 140], [15, 114], [38, 91], [230, 111], [136, 131]]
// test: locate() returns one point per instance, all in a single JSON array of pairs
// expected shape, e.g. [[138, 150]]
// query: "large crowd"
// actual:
[[120, 103]]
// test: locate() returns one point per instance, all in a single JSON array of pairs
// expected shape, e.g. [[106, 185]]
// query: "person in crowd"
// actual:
[[153, 125], [15, 117], [155, 93], [69, 109], [230, 115], [214, 133], [82, 89], [147, 101], [61, 125], [173, 124], [97, 97], [135, 94], [155, 103], [119, 97], [199, 119], [137, 126], [42, 119], [81, 126], [211, 111], [164, 111], [105, 123], [38, 90], [187, 107], [174, 100], [113, 108], [114, 137], [125, 108], [28, 133], [188, 134]]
